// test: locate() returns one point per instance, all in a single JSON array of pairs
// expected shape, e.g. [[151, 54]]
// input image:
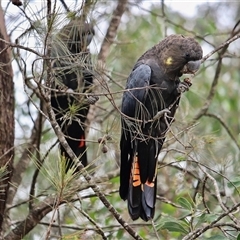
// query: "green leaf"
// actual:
[[120, 233], [185, 203], [238, 237], [234, 183], [198, 199], [217, 237], [207, 217], [174, 227], [114, 180], [181, 158]]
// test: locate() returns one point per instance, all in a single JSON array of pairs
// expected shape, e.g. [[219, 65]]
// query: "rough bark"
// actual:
[[6, 116]]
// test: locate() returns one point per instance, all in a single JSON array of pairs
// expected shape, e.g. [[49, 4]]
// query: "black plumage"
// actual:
[[73, 74], [148, 106]]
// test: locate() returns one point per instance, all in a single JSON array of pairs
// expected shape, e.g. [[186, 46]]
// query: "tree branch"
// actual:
[[7, 103], [112, 30], [199, 231], [223, 47], [40, 210], [218, 118]]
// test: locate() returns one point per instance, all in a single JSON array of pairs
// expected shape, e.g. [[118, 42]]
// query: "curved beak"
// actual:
[[191, 67]]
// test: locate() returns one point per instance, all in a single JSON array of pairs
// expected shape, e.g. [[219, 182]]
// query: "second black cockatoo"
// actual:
[[148, 106], [73, 74]]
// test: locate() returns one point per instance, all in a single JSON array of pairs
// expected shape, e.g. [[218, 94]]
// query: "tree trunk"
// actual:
[[6, 116]]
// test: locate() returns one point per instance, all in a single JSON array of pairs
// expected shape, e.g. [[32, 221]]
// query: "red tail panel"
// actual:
[[81, 142]]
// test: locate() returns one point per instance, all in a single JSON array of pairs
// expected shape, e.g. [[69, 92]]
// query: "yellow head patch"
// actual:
[[169, 61]]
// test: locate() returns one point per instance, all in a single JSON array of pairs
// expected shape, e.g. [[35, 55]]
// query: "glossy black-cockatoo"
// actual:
[[148, 106], [73, 74]]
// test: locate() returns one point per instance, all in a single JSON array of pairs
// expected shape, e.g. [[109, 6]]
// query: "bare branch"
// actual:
[[48, 204], [112, 30], [199, 231], [21, 47], [218, 195], [33, 218], [224, 44], [212, 91], [65, 5], [225, 126], [99, 230]]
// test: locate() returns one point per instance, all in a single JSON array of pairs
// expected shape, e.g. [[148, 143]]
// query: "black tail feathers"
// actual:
[[79, 149], [141, 196]]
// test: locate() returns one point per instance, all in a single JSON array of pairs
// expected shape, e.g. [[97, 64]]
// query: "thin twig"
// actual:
[[99, 230], [21, 47], [218, 195], [224, 44], [203, 194], [225, 126], [199, 231], [223, 47], [155, 230]]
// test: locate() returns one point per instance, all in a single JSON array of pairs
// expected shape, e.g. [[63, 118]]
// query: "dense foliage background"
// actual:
[[199, 167]]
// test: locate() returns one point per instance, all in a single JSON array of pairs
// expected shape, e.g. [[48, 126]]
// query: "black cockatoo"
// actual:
[[148, 106], [73, 74]]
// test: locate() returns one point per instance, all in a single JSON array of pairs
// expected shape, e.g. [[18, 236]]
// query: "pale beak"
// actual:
[[191, 67]]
